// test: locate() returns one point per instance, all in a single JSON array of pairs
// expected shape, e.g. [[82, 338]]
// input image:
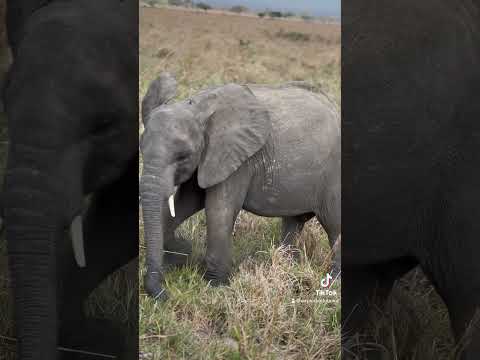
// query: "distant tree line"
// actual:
[[184, 3], [236, 9], [203, 6], [280, 14]]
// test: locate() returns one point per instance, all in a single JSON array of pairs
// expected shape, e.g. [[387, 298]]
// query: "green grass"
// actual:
[[254, 316]]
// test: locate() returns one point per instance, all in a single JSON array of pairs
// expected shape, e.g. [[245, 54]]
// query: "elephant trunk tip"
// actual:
[[152, 282]]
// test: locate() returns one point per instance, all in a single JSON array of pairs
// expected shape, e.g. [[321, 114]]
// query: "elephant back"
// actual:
[[294, 106], [308, 122]]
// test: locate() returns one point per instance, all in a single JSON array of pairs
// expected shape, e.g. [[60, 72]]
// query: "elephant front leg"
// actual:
[[111, 241], [222, 205], [189, 199]]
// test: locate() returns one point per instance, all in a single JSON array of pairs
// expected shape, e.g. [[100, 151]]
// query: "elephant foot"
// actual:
[[177, 253], [153, 286], [93, 338], [214, 279], [216, 273]]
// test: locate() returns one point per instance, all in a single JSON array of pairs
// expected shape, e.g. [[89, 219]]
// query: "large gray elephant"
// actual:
[[273, 151], [69, 195], [411, 154]]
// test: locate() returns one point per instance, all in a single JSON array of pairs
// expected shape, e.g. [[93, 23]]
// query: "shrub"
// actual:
[[275, 14], [180, 2], [244, 43], [239, 9], [293, 35], [203, 6], [307, 17]]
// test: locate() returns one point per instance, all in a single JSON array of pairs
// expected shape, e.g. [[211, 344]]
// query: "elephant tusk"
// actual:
[[76, 232], [171, 204]]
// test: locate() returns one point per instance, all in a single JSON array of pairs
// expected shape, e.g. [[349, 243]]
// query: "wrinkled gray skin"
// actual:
[[273, 151], [411, 154]]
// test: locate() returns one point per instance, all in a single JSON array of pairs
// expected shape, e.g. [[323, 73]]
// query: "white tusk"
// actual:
[[171, 204], [76, 232]]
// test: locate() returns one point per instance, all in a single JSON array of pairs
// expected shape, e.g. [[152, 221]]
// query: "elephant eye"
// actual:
[[181, 157]]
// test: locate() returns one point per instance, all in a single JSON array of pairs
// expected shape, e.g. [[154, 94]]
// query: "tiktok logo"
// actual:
[[327, 281]]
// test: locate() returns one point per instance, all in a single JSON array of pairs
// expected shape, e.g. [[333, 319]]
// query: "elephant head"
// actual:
[[210, 134]]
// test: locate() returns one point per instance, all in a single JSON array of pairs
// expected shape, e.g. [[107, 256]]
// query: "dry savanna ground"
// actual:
[[255, 316], [204, 49]]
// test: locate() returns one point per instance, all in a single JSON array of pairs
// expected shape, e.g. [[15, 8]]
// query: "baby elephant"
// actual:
[[271, 150]]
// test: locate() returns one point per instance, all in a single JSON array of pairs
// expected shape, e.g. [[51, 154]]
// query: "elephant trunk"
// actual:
[[33, 231], [155, 209]]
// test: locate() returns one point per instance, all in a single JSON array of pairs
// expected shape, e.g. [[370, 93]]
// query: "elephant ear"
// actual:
[[160, 91], [236, 129]]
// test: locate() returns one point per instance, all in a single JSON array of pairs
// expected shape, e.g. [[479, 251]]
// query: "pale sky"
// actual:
[[314, 7]]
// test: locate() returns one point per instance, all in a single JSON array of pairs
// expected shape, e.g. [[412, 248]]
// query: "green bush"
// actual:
[[275, 14], [307, 17], [203, 6], [239, 9], [293, 35], [186, 3]]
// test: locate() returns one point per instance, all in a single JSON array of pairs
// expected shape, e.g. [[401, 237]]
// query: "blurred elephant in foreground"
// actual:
[[72, 172], [5, 57], [271, 150], [411, 155]]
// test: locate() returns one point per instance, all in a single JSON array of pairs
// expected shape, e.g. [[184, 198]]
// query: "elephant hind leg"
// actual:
[[465, 320], [458, 284], [362, 290], [449, 257], [292, 227], [330, 219], [365, 288]]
